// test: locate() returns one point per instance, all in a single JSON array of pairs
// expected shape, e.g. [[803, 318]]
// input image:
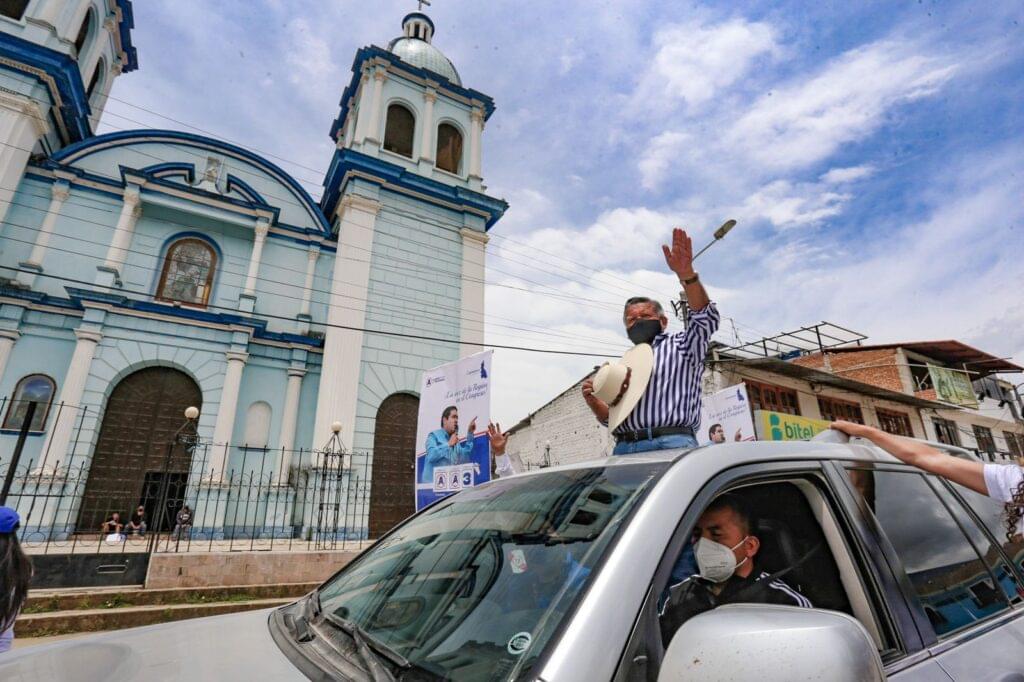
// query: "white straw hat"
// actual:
[[620, 384]]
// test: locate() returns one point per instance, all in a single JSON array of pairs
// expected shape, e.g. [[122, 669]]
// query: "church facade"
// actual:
[[146, 271]]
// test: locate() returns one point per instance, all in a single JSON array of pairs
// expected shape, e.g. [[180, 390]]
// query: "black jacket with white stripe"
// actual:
[[694, 595]]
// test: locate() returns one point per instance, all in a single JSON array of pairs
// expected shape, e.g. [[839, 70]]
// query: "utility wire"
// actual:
[[417, 337]]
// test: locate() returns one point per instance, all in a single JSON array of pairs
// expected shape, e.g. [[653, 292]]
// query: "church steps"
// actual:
[[49, 601], [97, 620]]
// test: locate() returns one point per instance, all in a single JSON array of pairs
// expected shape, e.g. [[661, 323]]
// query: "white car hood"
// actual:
[[236, 646]]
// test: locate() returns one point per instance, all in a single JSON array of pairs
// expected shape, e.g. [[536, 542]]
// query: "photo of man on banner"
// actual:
[[450, 458]]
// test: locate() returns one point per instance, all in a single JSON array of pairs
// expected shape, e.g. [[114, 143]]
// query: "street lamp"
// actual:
[[683, 311], [161, 516], [547, 453]]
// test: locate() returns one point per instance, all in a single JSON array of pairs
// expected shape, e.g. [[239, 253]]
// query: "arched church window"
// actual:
[[84, 30], [449, 148], [399, 129], [37, 388], [97, 74], [187, 275], [13, 8]]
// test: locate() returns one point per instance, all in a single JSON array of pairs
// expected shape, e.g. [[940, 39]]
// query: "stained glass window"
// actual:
[[37, 388], [188, 272]]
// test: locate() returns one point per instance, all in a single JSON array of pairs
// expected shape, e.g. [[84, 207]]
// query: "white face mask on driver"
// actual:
[[715, 561]]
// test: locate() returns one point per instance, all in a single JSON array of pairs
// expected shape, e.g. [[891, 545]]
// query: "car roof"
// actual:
[[856, 450]]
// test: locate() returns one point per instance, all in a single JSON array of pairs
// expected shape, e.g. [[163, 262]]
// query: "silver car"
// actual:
[[558, 575]]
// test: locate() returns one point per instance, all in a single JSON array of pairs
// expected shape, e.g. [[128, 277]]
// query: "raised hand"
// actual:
[[679, 257], [472, 428], [498, 439]]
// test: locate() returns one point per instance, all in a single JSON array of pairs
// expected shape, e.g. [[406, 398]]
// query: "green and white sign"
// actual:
[[779, 426]]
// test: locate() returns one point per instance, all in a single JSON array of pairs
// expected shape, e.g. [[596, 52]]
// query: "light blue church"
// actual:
[[144, 272]]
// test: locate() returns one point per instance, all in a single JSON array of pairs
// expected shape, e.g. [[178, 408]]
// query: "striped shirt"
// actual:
[[673, 395]]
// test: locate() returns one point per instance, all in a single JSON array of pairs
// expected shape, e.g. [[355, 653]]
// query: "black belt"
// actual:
[[651, 434]]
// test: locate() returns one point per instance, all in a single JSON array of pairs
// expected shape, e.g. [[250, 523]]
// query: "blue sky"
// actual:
[[871, 152]]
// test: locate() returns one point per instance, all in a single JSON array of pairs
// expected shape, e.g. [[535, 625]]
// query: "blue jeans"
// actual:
[[679, 440]]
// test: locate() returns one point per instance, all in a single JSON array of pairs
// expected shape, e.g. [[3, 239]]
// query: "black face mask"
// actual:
[[644, 331]]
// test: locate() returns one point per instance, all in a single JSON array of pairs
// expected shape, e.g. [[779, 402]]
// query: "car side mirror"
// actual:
[[769, 643]]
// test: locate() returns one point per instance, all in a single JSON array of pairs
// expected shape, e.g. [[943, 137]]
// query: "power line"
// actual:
[[417, 337], [376, 310]]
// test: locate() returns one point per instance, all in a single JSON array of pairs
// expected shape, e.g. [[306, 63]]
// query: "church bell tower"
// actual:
[[405, 194], [58, 59]]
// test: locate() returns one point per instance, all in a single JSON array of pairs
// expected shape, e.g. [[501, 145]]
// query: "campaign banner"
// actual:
[[725, 417], [781, 426], [453, 448], [953, 386]]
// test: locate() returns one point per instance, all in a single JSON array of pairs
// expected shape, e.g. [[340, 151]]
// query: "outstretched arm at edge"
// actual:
[[963, 471]]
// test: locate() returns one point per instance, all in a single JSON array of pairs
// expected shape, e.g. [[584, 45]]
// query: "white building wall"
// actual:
[[569, 425]]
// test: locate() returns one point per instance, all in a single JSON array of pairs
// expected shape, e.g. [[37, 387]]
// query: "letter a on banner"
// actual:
[[449, 458]]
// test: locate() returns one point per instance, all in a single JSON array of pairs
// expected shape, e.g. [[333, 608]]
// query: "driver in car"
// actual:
[[726, 552]]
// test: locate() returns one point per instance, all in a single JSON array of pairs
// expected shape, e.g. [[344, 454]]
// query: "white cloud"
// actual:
[[693, 62], [659, 157], [838, 176], [787, 204], [904, 281], [309, 59], [806, 121]]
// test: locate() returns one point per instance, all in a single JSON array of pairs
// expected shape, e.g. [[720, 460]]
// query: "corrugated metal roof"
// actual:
[[950, 352]]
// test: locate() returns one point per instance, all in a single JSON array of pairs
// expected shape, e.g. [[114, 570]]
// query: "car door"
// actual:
[[964, 594], [872, 592], [993, 650]]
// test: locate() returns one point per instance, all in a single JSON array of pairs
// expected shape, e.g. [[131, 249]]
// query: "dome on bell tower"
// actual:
[[414, 47]]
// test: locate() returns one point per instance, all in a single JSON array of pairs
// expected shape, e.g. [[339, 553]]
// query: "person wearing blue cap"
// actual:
[[15, 573]]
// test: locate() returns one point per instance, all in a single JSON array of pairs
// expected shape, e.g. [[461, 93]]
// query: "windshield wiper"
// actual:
[[299, 623], [370, 650]]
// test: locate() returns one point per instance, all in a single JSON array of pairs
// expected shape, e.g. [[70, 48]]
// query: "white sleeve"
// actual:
[[507, 465], [503, 466], [1002, 480]]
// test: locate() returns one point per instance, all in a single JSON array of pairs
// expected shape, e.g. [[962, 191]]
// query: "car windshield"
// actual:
[[473, 587]]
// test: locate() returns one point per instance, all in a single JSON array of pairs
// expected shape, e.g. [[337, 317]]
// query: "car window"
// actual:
[[473, 587], [992, 515], [953, 584], [792, 564]]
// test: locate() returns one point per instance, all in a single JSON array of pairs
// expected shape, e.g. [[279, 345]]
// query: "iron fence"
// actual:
[[193, 495]]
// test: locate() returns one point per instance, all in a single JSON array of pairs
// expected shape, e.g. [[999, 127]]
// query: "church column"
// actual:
[[90, 61], [289, 420], [343, 348], [117, 252], [363, 113], [303, 318], [59, 192], [427, 140], [474, 244], [262, 228], [307, 286], [22, 123], [224, 427], [69, 403], [373, 126], [247, 301], [475, 150]]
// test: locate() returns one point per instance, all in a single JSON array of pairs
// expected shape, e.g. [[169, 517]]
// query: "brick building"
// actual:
[[887, 386], [993, 427]]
